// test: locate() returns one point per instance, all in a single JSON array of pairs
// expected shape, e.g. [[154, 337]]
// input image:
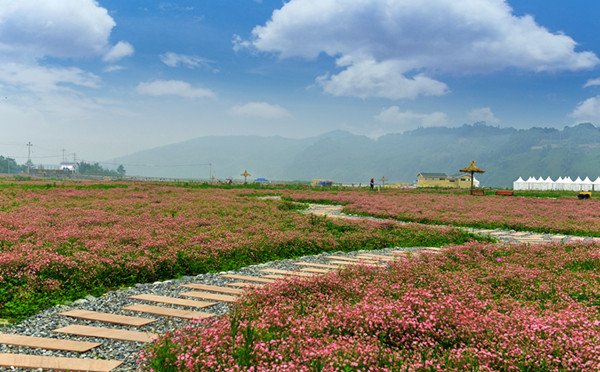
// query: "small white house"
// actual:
[[67, 166]]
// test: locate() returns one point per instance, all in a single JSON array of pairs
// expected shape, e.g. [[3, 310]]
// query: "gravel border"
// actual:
[[42, 324]]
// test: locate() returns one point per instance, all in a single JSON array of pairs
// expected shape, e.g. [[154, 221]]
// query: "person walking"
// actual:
[[372, 183]]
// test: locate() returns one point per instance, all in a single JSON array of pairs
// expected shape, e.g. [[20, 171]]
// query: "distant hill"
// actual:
[[505, 154]]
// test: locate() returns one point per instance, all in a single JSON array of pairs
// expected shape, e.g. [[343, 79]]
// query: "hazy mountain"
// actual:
[[505, 154]]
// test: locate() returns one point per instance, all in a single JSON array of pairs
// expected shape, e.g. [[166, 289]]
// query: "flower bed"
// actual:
[[62, 242], [474, 307], [566, 215]]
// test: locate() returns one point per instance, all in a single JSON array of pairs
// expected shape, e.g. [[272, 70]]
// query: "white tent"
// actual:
[[569, 185], [519, 184], [596, 184], [548, 184], [587, 185], [578, 183], [558, 184], [530, 183]]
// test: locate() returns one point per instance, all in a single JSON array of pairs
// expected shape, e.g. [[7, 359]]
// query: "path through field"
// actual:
[[104, 334]]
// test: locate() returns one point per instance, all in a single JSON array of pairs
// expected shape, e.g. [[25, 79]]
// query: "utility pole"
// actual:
[[210, 177], [63, 150], [29, 156]]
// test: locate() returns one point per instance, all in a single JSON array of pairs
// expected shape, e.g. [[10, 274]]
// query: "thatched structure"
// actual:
[[472, 168]]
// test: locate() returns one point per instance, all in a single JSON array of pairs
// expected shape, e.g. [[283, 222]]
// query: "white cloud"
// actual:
[[239, 43], [372, 79], [42, 79], [173, 60], [121, 50], [159, 88], [65, 28], [592, 83], [413, 38], [483, 114], [409, 120], [261, 110], [588, 110], [113, 68]]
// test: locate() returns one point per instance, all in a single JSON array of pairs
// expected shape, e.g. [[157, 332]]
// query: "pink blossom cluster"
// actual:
[[474, 307], [566, 215], [65, 240]]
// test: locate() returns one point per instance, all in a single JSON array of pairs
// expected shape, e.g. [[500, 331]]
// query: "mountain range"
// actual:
[[504, 153]]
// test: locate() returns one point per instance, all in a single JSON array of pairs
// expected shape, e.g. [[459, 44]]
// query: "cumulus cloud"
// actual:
[[261, 110], [592, 83], [483, 114], [40, 79], [413, 38], [66, 28], [372, 79], [409, 119], [159, 88], [173, 60], [121, 50], [588, 110]]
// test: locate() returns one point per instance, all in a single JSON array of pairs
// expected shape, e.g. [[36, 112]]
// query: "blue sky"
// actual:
[[106, 78]]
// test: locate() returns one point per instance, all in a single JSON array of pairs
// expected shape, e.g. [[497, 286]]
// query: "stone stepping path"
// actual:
[[57, 363], [165, 311], [112, 333], [47, 343], [171, 300], [108, 318]]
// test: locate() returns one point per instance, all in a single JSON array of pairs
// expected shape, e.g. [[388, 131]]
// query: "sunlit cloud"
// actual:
[[484, 114], [159, 88], [408, 119], [377, 42], [121, 50], [261, 110]]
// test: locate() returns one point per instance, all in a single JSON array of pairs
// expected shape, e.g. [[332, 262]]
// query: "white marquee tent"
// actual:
[[566, 184]]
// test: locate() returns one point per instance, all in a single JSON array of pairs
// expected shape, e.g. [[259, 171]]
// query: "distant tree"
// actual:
[[95, 169], [9, 165], [121, 170]]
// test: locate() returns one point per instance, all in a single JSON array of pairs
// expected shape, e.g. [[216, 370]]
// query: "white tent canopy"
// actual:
[[561, 183]]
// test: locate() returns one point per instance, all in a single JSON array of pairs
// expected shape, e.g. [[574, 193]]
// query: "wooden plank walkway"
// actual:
[[214, 288], [280, 277], [210, 296], [57, 363], [286, 272], [315, 270], [247, 278], [318, 265], [166, 311], [47, 343], [111, 333], [339, 258], [245, 285], [108, 318], [172, 300]]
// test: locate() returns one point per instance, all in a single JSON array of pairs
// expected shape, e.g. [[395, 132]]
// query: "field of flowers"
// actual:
[[475, 307], [62, 242], [566, 215]]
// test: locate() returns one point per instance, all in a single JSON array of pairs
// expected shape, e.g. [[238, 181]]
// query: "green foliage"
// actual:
[[97, 170]]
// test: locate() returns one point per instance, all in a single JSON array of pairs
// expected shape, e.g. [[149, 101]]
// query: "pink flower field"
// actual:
[[566, 215], [61, 242], [475, 307]]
